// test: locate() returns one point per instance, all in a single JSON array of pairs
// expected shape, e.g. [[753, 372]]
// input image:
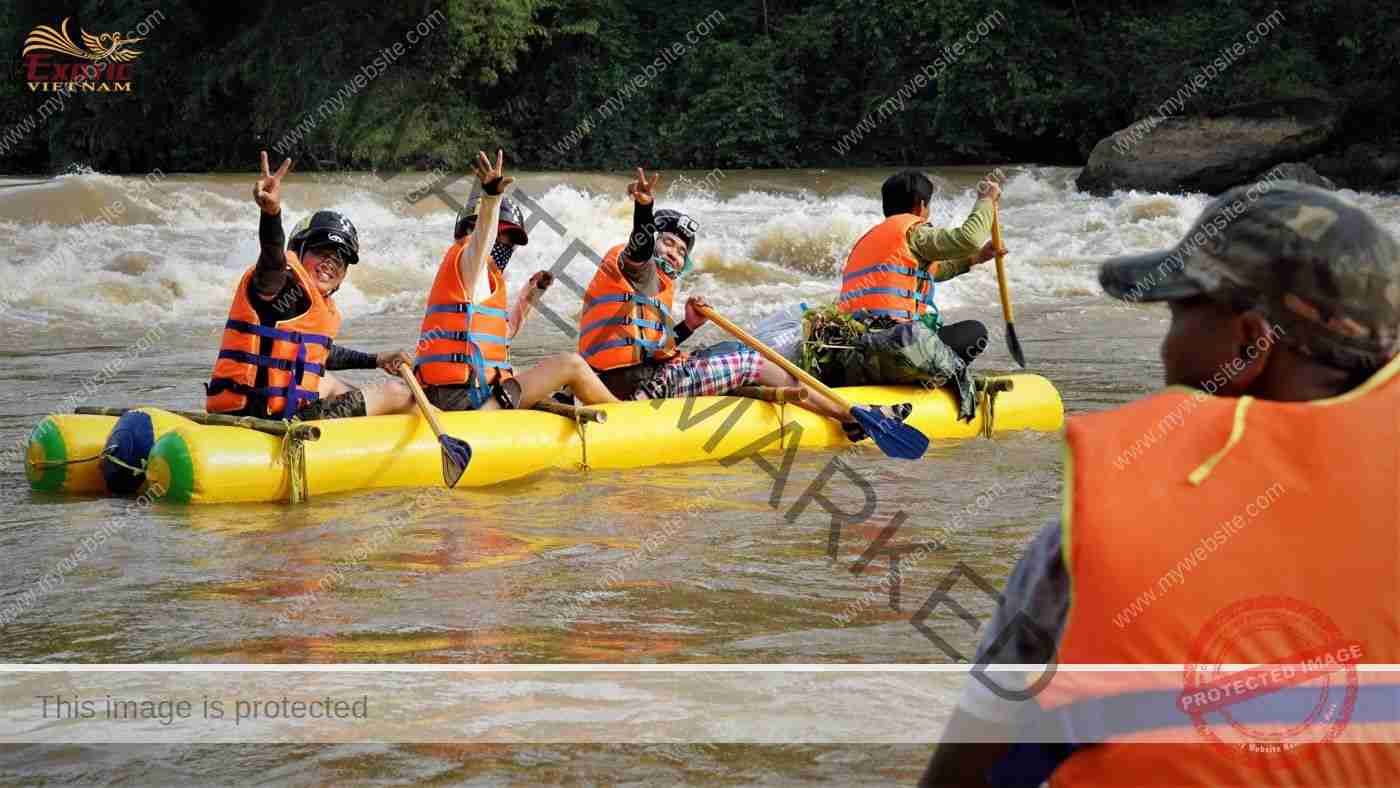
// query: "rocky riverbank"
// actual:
[[1211, 153]]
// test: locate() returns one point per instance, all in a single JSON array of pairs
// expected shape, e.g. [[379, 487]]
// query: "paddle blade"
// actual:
[[894, 437], [456, 456], [1014, 345]]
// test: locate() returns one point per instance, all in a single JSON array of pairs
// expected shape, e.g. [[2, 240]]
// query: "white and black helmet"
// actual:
[[669, 221], [326, 228]]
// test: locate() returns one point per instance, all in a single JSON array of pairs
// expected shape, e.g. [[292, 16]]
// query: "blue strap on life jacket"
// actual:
[[919, 295], [464, 336], [272, 332], [480, 390], [851, 295], [623, 321], [649, 349], [293, 392], [457, 358], [893, 268], [1054, 735], [219, 385], [270, 362], [624, 298], [489, 311]]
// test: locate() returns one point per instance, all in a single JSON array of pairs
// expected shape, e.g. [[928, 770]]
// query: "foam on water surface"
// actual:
[[133, 250]]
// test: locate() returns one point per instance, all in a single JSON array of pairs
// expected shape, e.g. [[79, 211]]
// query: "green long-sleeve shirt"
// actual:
[[949, 252]]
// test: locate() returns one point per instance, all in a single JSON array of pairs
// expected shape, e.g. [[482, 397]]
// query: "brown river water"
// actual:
[[689, 564]]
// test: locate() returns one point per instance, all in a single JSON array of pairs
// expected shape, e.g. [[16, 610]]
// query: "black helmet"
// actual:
[[511, 222], [669, 221], [326, 228]]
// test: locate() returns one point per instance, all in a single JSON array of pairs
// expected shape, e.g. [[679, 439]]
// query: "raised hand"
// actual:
[[641, 191], [541, 280], [493, 179], [267, 192], [990, 187]]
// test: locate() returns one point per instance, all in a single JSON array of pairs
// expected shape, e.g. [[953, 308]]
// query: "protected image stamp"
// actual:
[[1301, 691]]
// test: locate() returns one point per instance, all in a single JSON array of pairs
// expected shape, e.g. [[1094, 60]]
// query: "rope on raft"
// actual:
[[44, 464], [115, 460], [782, 424], [581, 425], [293, 457], [990, 388], [778, 395]]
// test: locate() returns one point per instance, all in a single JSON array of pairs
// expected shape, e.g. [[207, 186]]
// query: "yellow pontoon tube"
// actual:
[[219, 464]]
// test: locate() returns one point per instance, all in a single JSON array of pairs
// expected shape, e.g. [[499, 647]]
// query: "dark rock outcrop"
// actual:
[[1297, 171], [1209, 153], [1364, 166]]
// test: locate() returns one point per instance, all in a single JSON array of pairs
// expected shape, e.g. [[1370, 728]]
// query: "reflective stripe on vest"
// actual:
[[619, 327], [295, 363], [458, 338], [1237, 484], [882, 276], [1097, 720]]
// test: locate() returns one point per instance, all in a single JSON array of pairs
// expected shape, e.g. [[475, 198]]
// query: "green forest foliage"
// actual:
[[775, 83]]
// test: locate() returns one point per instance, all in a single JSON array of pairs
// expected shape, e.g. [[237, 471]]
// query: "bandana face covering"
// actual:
[[666, 268], [500, 254]]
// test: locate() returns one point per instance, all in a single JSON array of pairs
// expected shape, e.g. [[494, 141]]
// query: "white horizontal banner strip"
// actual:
[[649, 704]]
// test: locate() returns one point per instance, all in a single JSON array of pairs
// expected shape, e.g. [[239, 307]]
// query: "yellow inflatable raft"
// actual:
[[195, 463]]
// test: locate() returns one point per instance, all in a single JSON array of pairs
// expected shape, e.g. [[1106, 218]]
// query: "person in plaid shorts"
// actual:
[[625, 329]]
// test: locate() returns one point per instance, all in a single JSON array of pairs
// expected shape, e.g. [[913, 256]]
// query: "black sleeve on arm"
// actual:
[[682, 332], [642, 244], [271, 273], [348, 358]]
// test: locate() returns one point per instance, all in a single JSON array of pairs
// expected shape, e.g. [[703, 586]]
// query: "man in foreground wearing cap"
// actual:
[[625, 329], [1263, 481], [278, 343], [464, 348]]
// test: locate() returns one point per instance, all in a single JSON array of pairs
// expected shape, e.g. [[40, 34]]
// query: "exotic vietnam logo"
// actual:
[[102, 65]]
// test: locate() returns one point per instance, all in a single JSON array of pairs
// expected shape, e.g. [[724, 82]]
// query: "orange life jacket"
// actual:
[[882, 275], [296, 360], [457, 337], [1237, 502], [620, 327]]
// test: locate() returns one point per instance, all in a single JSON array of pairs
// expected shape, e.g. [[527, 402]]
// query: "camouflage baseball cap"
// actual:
[[1314, 263]]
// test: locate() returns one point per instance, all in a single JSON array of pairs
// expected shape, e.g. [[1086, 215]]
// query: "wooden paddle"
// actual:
[[779, 395], [894, 437], [456, 454], [1012, 343]]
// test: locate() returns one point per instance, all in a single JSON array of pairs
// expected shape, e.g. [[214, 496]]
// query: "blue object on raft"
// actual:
[[124, 457]]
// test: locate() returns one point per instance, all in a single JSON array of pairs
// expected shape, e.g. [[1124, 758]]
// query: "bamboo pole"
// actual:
[[572, 412], [773, 394], [299, 430]]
